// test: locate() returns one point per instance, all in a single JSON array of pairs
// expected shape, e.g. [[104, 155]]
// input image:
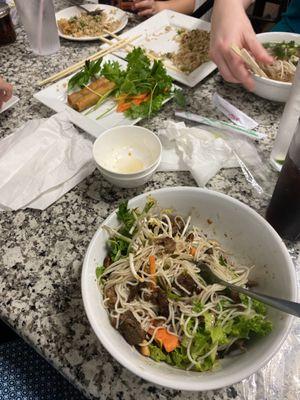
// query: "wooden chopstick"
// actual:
[[249, 60], [130, 45], [93, 57]]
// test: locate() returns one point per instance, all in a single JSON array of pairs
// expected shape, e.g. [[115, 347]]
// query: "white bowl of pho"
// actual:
[[285, 48], [154, 310]]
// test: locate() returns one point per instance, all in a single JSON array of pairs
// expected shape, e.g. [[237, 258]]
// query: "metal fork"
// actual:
[[98, 11], [289, 307]]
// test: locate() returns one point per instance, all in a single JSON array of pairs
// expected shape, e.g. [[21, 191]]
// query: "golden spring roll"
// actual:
[[91, 99], [72, 98]]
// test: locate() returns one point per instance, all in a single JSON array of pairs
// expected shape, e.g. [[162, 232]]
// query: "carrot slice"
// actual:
[[123, 107], [152, 268], [193, 251], [140, 100], [168, 340]]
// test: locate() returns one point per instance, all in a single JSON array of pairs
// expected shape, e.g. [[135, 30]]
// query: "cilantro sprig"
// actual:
[[90, 71]]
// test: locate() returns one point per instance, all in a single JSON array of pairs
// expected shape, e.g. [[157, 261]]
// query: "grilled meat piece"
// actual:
[[187, 282], [130, 329], [112, 297], [190, 237], [107, 261], [160, 299], [168, 243], [136, 290]]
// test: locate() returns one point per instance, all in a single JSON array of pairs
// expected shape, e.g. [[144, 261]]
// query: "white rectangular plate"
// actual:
[[11, 102], [55, 97], [155, 36]]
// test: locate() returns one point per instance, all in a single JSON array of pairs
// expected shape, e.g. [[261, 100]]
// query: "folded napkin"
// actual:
[[41, 161], [202, 152]]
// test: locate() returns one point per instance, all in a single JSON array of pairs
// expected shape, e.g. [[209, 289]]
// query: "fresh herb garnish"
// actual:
[[142, 88], [90, 71], [283, 50]]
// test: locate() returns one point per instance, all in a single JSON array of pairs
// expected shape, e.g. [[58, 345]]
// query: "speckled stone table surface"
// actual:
[[41, 252]]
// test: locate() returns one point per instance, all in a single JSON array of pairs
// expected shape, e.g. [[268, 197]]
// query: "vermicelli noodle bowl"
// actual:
[[160, 300]]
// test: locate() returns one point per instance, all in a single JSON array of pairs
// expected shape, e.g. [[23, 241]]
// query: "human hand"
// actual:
[[230, 25], [146, 8], [5, 91]]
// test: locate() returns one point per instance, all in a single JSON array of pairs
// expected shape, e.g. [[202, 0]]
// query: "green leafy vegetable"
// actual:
[[259, 307], [283, 50], [99, 271], [111, 70], [244, 327], [173, 296], [117, 248], [157, 353], [90, 71], [223, 261], [126, 216], [139, 78], [197, 306]]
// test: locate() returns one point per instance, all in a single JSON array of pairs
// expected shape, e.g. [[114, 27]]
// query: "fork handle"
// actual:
[[289, 307]]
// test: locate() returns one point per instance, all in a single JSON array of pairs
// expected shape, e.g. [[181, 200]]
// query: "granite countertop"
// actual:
[[41, 252]]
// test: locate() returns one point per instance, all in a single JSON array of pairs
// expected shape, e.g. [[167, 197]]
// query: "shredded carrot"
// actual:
[[123, 107], [168, 340], [138, 101], [193, 251], [152, 268], [141, 96]]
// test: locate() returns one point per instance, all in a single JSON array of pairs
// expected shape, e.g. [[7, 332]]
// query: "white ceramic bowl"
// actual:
[[250, 238], [268, 88], [127, 152], [130, 182]]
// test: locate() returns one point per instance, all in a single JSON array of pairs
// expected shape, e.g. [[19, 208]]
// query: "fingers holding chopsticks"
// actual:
[[230, 25]]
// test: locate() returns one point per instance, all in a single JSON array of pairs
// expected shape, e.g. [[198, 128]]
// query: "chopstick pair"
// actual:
[[95, 56], [129, 46], [249, 60]]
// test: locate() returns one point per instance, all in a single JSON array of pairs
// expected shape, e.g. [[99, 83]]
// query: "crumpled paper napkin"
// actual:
[[42, 161], [202, 152]]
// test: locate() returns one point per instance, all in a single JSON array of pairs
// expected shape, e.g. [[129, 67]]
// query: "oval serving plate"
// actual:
[[70, 12]]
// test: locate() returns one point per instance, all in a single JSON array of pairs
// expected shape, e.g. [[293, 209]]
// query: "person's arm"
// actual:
[[5, 91], [150, 7], [230, 25]]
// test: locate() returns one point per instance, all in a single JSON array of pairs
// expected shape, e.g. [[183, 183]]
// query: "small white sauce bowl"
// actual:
[[268, 88], [130, 182], [127, 153]]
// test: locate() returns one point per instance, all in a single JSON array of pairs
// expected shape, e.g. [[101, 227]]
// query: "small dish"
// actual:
[[127, 152], [128, 183]]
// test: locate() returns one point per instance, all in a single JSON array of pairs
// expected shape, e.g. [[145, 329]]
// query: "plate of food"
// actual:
[[109, 92], [181, 41], [152, 306], [74, 24]]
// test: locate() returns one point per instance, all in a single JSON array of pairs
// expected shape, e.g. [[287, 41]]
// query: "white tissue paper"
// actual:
[[202, 152], [42, 161]]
